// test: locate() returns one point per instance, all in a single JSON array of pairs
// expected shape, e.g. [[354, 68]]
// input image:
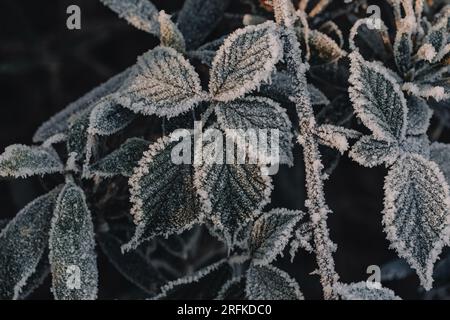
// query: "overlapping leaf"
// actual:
[[22, 244], [364, 291], [72, 247], [416, 213], [108, 118], [170, 36], [371, 152]]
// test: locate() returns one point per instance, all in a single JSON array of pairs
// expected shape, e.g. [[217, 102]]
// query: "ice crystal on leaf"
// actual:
[[416, 213], [163, 83], [364, 291], [72, 255], [419, 116], [20, 161], [247, 58], [270, 283], [22, 244], [170, 36], [440, 153], [108, 118], [371, 152]]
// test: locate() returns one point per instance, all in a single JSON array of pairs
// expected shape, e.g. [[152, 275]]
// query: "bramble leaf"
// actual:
[[377, 99], [108, 118], [364, 291], [247, 58], [271, 233], [170, 36], [121, 161], [419, 116], [22, 244], [163, 83], [270, 283], [20, 161], [72, 255], [416, 213], [440, 153], [371, 152]]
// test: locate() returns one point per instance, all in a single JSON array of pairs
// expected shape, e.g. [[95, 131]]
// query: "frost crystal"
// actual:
[[20, 161], [247, 58], [364, 291], [121, 161], [163, 83], [170, 36], [416, 213], [271, 233], [271, 283], [72, 254], [22, 244]]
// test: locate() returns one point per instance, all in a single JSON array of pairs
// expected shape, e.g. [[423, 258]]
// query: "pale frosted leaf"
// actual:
[[271, 283], [198, 18], [72, 255], [262, 115], [364, 291], [59, 123], [20, 161], [231, 193], [419, 116], [416, 213], [440, 153], [108, 118], [247, 58], [397, 269], [37, 278], [163, 194], [132, 265], [419, 144], [121, 161], [77, 137], [336, 137], [377, 99], [170, 36], [323, 48], [427, 91], [203, 284], [141, 14], [22, 244], [163, 83], [271, 233], [371, 152]]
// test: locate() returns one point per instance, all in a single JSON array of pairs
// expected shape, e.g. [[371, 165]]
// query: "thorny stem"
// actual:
[[315, 203]]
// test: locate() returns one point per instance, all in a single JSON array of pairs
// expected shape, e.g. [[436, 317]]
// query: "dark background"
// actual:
[[44, 66]]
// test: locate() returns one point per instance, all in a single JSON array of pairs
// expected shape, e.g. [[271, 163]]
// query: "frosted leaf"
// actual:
[[397, 269], [72, 247], [419, 116], [258, 114], [419, 144], [416, 213], [170, 36], [22, 244], [121, 161], [271, 233], [426, 91], [205, 282], [440, 153], [438, 36], [132, 265], [317, 97], [364, 291], [247, 58], [426, 52], [284, 12], [232, 194], [323, 48], [271, 283], [303, 239], [37, 278], [377, 99], [163, 195], [20, 161], [198, 18], [233, 289], [204, 56], [371, 152], [108, 118], [163, 83], [59, 123], [403, 50], [336, 137], [141, 14], [77, 137], [375, 39]]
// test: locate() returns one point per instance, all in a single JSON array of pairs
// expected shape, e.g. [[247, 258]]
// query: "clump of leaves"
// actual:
[[267, 74]]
